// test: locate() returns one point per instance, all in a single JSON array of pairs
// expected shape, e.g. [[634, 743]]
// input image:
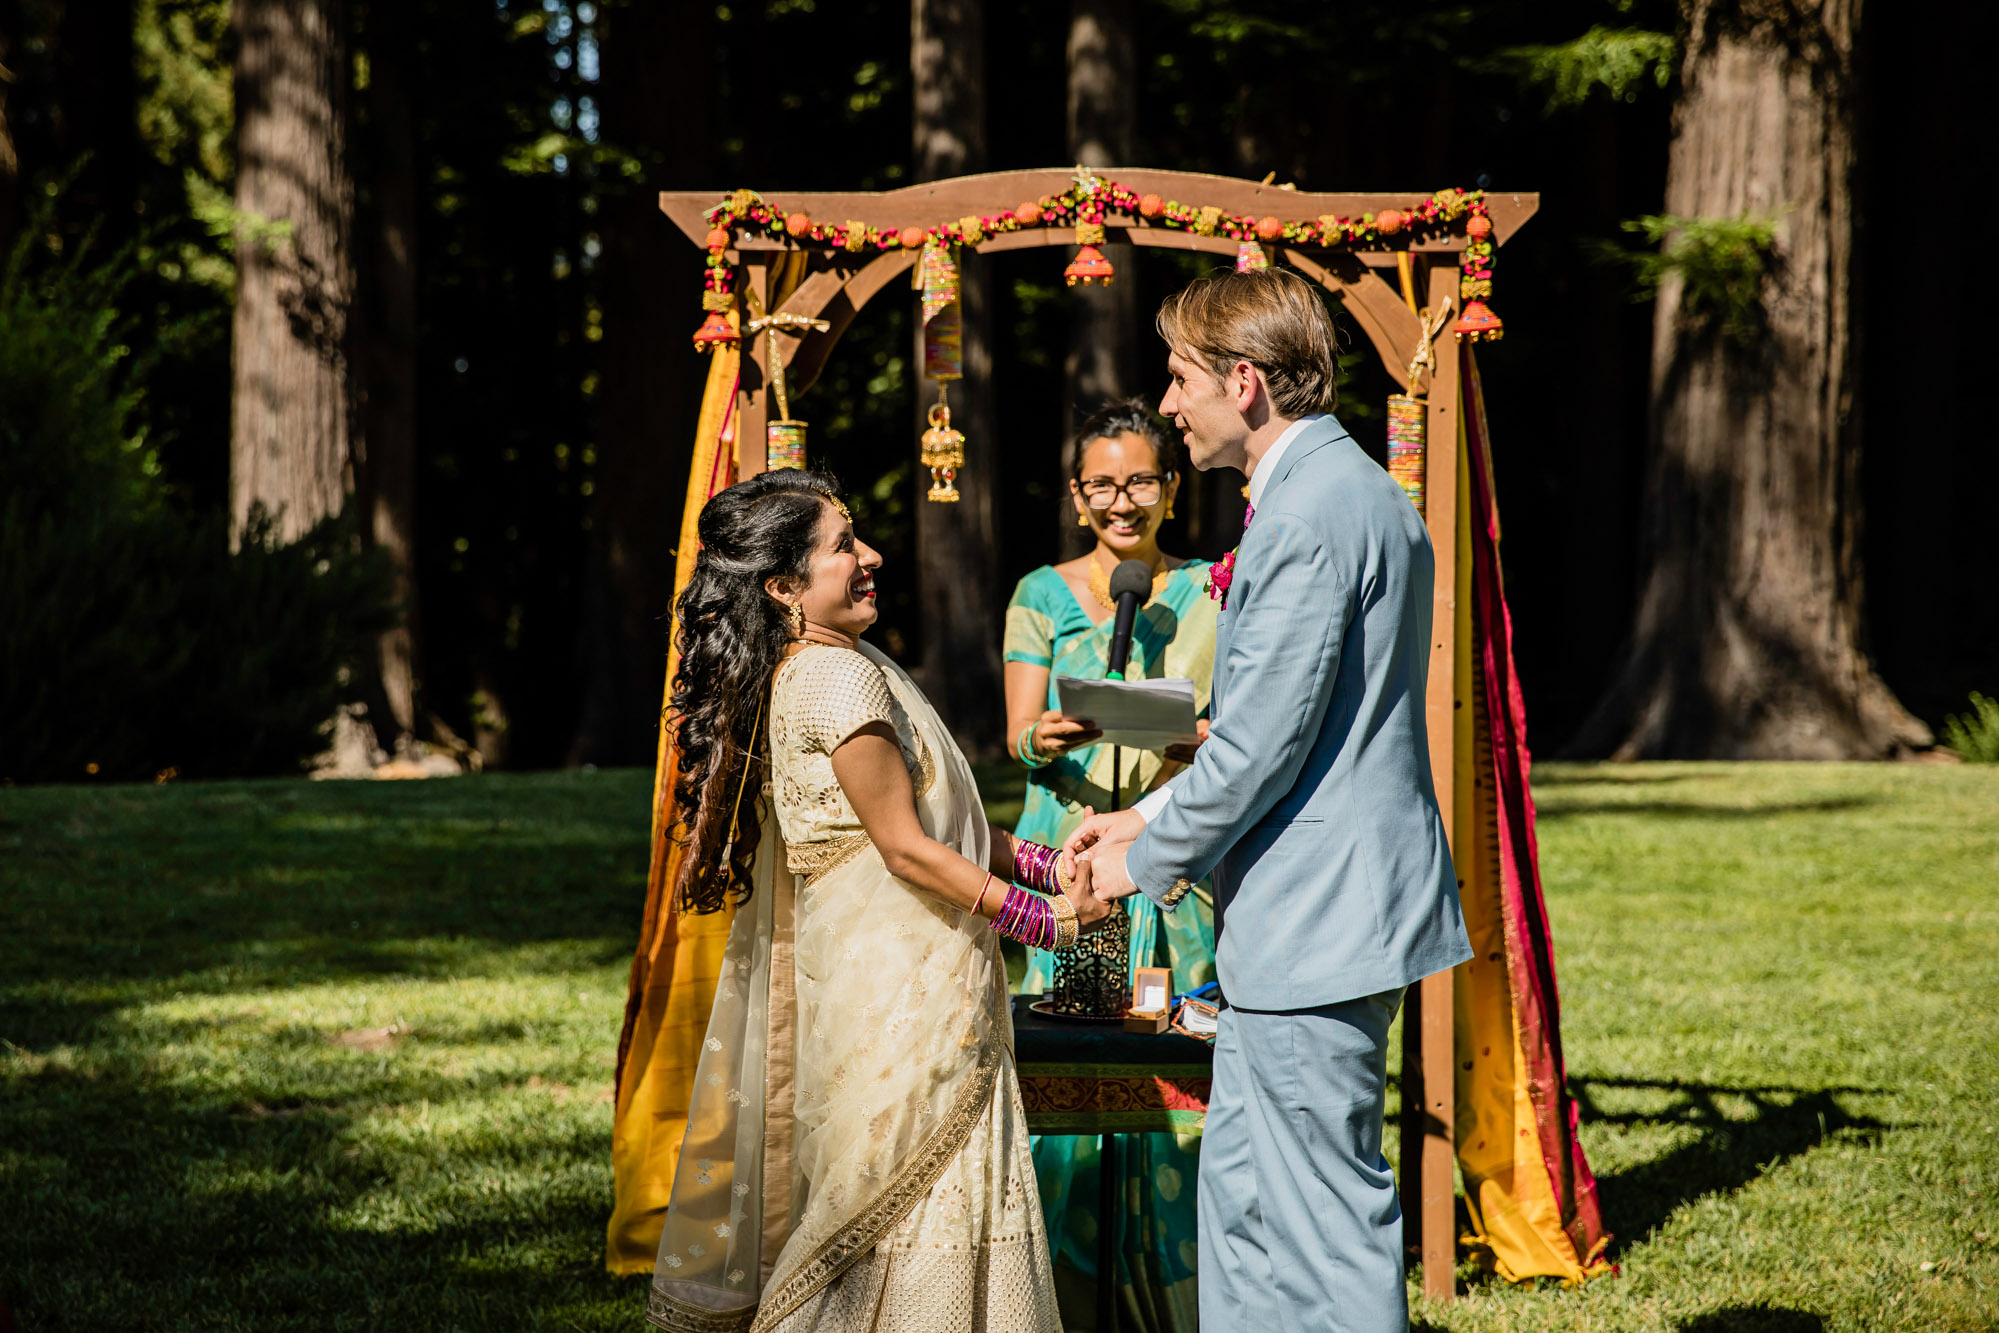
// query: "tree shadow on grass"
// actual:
[[1728, 1152], [1703, 810], [1754, 1319], [144, 1209]]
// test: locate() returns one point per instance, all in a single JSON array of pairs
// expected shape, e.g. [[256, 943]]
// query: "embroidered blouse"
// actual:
[[822, 696]]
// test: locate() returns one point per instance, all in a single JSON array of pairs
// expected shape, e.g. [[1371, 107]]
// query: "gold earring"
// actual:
[[1082, 520], [1169, 509], [794, 613]]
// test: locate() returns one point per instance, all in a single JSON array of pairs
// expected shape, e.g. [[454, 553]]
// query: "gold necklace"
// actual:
[[1100, 584]]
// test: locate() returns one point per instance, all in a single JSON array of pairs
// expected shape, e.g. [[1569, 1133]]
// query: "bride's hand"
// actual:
[[1090, 913]]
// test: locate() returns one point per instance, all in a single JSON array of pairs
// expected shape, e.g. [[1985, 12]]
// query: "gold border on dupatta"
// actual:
[[677, 1316], [838, 1252]]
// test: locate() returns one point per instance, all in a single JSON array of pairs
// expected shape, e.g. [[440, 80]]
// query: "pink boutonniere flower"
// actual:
[[1222, 572]]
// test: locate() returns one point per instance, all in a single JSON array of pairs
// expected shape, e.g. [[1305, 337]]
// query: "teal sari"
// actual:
[[1174, 636]]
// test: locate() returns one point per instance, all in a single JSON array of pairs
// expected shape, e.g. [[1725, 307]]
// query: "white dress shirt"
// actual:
[[1155, 800]]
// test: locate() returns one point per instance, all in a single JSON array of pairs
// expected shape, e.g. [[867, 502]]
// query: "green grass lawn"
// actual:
[[280, 1055]]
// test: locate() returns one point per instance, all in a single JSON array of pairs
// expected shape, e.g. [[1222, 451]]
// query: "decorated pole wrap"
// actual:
[[1408, 414], [943, 359], [784, 438]]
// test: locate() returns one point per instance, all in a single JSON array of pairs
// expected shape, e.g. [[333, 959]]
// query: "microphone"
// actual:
[[1131, 584]]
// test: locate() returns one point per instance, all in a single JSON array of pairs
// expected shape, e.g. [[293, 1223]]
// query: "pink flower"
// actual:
[[1222, 572]]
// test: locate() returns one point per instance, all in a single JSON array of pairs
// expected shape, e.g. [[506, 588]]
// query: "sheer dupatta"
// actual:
[[858, 1027]]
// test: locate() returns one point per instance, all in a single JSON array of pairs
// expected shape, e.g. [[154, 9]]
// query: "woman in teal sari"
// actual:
[[1059, 624]]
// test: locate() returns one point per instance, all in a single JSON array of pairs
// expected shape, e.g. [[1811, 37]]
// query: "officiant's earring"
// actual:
[[1082, 519], [1169, 509]]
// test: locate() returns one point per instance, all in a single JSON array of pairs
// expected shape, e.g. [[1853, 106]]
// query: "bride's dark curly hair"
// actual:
[[732, 636]]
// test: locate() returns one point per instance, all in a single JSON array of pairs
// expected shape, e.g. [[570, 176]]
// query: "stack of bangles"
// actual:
[[1024, 751], [1036, 915]]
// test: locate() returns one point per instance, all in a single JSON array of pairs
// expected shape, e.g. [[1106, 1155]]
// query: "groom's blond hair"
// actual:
[[1270, 318]]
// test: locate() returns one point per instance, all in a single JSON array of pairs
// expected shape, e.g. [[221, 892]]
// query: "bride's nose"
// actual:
[[869, 557]]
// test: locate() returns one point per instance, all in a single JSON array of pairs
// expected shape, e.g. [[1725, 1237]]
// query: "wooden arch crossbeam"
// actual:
[[835, 284]]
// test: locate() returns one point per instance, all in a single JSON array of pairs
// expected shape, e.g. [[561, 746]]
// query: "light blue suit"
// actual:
[[1311, 804]]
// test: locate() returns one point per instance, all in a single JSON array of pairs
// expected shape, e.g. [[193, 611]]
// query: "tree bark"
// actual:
[[654, 96], [389, 414], [10, 156], [1102, 363], [1748, 643], [957, 546], [290, 447]]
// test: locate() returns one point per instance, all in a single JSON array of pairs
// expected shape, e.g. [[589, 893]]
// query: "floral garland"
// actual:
[[1084, 206]]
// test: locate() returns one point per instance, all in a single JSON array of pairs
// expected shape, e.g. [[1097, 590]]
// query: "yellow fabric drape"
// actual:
[[678, 957]]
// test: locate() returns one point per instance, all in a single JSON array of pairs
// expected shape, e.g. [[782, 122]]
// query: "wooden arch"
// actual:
[[834, 285]]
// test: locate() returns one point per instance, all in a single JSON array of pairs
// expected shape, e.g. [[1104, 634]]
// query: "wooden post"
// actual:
[[1427, 1041]]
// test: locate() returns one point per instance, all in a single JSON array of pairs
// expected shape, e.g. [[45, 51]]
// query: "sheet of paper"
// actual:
[[1140, 714]]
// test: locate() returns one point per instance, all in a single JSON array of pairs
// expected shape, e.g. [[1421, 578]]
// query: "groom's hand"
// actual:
[[1108, 879], [1116, 828]]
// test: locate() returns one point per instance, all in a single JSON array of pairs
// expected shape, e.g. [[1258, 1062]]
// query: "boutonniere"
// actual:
[[1222, 572]]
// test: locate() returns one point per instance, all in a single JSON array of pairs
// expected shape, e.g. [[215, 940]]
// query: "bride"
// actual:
[[856, 1155]]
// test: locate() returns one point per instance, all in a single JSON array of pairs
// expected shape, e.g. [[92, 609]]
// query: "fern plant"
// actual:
[[1974, 736]]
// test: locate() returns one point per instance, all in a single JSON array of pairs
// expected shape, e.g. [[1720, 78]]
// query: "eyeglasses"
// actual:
[[1143, 490]]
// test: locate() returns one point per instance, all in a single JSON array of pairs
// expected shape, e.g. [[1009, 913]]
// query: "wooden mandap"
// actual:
[[1482, 1080]]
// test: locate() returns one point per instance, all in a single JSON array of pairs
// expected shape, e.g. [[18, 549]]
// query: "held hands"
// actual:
[[1184, 754], [1076, 881], [1099, 843], [1056, 735]]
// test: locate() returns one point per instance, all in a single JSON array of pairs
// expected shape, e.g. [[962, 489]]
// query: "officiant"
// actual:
[[1127, 470]]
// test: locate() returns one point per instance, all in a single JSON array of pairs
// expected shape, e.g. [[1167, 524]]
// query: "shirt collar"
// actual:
[[1266, 469]]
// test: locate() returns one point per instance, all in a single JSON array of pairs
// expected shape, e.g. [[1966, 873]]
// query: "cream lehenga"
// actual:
[[856, 1155]]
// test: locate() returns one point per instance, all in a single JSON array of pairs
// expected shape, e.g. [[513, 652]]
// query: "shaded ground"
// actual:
[[337, 1056]]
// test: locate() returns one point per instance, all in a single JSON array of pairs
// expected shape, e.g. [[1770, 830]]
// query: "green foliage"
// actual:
[[136, 640], [1974, 736], [1617, 61], [1720, 262]]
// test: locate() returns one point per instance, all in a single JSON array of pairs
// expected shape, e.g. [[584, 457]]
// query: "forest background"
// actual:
[[396, 272]]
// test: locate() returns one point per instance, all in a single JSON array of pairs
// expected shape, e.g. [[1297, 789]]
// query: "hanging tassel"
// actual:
[[943, 452], [1089, 268], [1479, 324], [1249, 257], [715, 332]]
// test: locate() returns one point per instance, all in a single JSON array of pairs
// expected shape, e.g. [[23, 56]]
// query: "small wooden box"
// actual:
[[1151, 1000]]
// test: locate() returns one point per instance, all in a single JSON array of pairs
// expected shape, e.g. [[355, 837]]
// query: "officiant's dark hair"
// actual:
[[1128, 416], [1271, 318], [732, 635]]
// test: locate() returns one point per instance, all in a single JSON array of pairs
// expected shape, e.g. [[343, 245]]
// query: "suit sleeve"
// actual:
[[1283, 659]]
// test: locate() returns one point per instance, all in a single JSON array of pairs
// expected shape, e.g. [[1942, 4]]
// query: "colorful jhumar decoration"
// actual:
[[1407, 460], [943, 452]]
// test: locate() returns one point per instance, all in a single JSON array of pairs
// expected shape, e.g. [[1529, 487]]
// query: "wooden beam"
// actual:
[[997, 191], [1446, 493], [1375, 306]]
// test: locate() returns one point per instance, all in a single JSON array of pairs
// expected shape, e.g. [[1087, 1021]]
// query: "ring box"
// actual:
[[1151, 993]]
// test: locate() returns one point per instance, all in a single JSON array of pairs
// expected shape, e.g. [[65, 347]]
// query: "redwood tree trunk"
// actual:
[[1103, 119], [957, 547], [390, 419], [1748, 643], [654, 94], [290, 446], [10, 157]]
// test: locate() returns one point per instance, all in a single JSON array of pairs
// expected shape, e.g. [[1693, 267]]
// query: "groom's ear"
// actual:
[[1245, 381]]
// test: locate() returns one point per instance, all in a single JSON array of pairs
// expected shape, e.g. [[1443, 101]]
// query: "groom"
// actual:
[[1311, 805]]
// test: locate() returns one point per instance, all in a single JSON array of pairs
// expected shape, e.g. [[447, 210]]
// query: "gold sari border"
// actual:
[[678, 1316], [839, 1252]]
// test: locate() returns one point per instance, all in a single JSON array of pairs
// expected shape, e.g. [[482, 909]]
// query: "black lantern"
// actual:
[[1093, 975]]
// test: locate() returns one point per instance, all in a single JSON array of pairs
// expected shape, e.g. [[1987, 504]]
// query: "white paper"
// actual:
[[1138, 714]]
